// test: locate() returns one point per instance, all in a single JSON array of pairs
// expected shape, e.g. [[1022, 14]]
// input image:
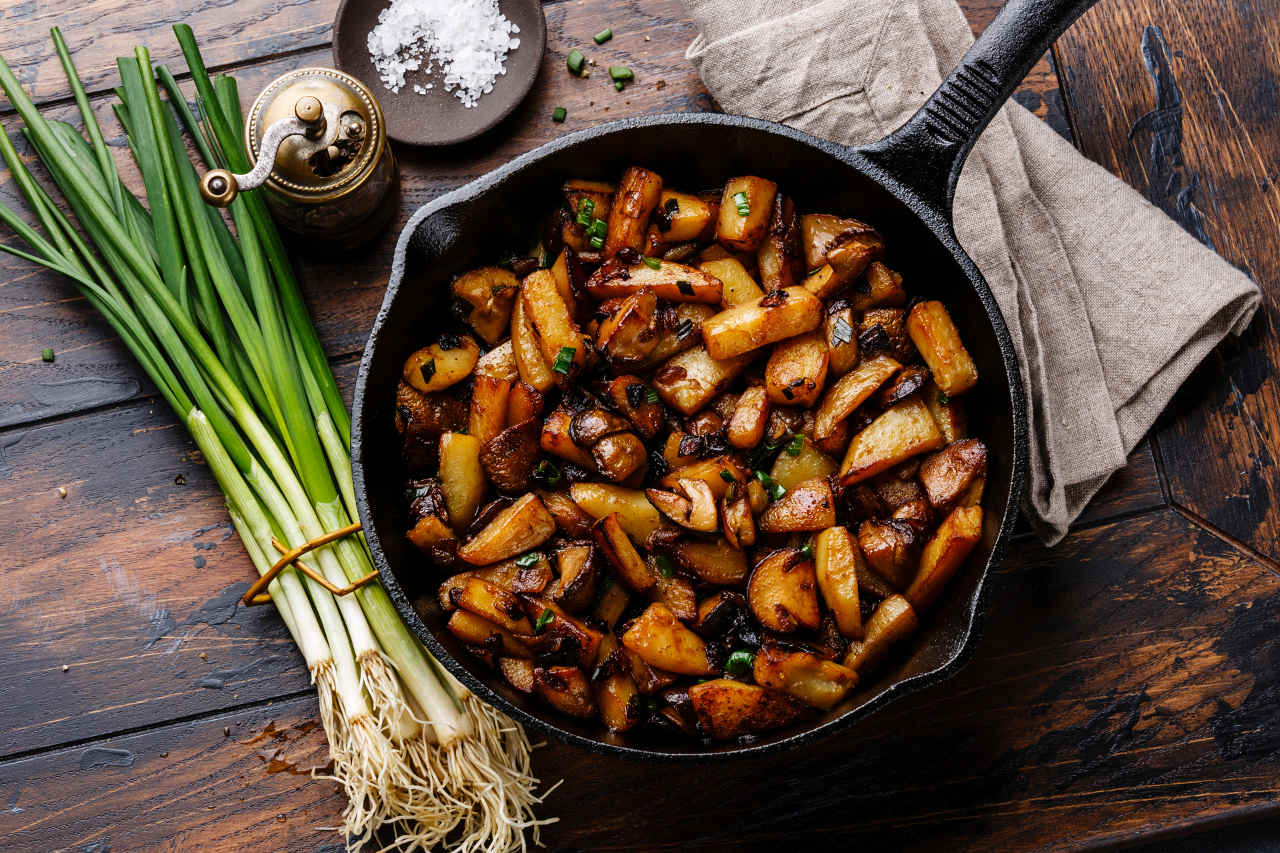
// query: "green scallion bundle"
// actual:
[[216, 318]]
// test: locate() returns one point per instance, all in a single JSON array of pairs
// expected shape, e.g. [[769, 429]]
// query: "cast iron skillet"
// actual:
[[903, 185]]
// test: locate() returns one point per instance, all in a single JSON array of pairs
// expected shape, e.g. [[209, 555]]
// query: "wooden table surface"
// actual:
[[1127, 687]]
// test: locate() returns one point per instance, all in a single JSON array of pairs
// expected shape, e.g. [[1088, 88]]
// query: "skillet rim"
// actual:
[[937, 221]]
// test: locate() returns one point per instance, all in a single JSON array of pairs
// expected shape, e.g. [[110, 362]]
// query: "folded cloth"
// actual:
[[1109, 302]]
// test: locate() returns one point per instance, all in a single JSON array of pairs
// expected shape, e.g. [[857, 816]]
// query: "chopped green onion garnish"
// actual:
[[602, 36], [544, 620], [598, 228], [530, 559], [547, 471], [559, 114], [651, 263], [727, 475], [665, 566], [586, 207], [684, 287], [813, 271], [650, 395], [685, 329], [743, 204], [796, 445], [596, 242], [740, 663], [776, 491], [564, 359], [46, 354], [943, 399], [428, 370], [576, 62], [620, 73], [807, 550], [619, 86], [841, 332]]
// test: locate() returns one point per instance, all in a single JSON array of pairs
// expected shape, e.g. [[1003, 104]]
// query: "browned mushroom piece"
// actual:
[[692, 505], [421, 419], [617, 452]]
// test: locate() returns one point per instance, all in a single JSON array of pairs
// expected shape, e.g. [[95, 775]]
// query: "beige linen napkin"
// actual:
[[1110, 303]]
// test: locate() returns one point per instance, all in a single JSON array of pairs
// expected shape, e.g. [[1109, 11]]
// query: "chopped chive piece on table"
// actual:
[[618, 85], [620, 73], [796, 445], [564, 359], [559, 114], [544, 620], [602, 36], [46, 354], [665, 566], [576, 62], [740, 663], [651, 263], [743, 204]]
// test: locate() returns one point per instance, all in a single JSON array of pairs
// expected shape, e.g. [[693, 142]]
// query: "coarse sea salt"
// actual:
[[467, 39]]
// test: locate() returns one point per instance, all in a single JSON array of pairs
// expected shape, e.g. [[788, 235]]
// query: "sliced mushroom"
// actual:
[[736, 518], [508, 458], [810, 505], [521, 527], [630, 332], [693, 507]]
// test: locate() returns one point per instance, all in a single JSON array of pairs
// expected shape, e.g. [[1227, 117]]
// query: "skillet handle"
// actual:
[[927, 152]]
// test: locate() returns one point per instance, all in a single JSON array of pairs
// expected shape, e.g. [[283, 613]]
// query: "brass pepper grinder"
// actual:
[[318, 142]]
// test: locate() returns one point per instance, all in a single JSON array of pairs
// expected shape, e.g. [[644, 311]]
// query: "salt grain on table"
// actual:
[[467, 39]]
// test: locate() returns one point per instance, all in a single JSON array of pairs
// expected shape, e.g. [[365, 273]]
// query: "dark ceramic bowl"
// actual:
[[902, 185]]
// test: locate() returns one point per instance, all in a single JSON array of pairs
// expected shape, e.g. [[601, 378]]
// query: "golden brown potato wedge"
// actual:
[[783, 591], [638, 194], [891, 549], [442, 364], [847, 245], [682, 331], [893, 621], [681, 217], [807, 677], [677, 594], [851, 390], [608, 610], [746, 427], [840, 331], [836, 561], [565, 688], [714, 561], [729, 709], [559, 338], [637, 516], [780, 257], [524, 402], [490, 601], [509, 575], [948, 474], [518, 672], [691, 505], [555, 439], [461, 477], [736, 520], [750, 325], [630, 332], [716, 472], [884, 289], [823, 281], [668, 281], [797, 370], [521, 527], [691, 379], [490, 291], [938, 340], [570, 518], [488, 416], [526, 351], [663, 641], [810, 463], [739, 286], [628, 565], [810, 505], [948, 413], [615, 690], [499, 362], [944, 554], [746, 206], [903, 431], [430, 531], [472, 629]]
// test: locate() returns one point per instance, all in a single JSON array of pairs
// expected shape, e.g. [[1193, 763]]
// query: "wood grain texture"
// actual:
[[1196, 132], [1126, 682]]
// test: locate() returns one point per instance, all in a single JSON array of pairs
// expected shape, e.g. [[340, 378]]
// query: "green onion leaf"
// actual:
[[741, 202], [596, 242], [619, 86], [428, 369], [807, 550], [46, 354], [650, 395], [602, 36], [559, 114], [841, 332], [740, 663], [544, 620], [651, 263], [564, 360], [547, 472], [943, 399], [586, 207], [530, 559], [776, 490], [598, 227], [684, 287], [813, 271], [620, 73], [576, 62], [796, 445], [727, 475], [665, 566]]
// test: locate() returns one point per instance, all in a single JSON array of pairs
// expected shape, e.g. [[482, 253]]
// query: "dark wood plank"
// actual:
[[1132, 489], [1126, 681], [1208, 159]]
